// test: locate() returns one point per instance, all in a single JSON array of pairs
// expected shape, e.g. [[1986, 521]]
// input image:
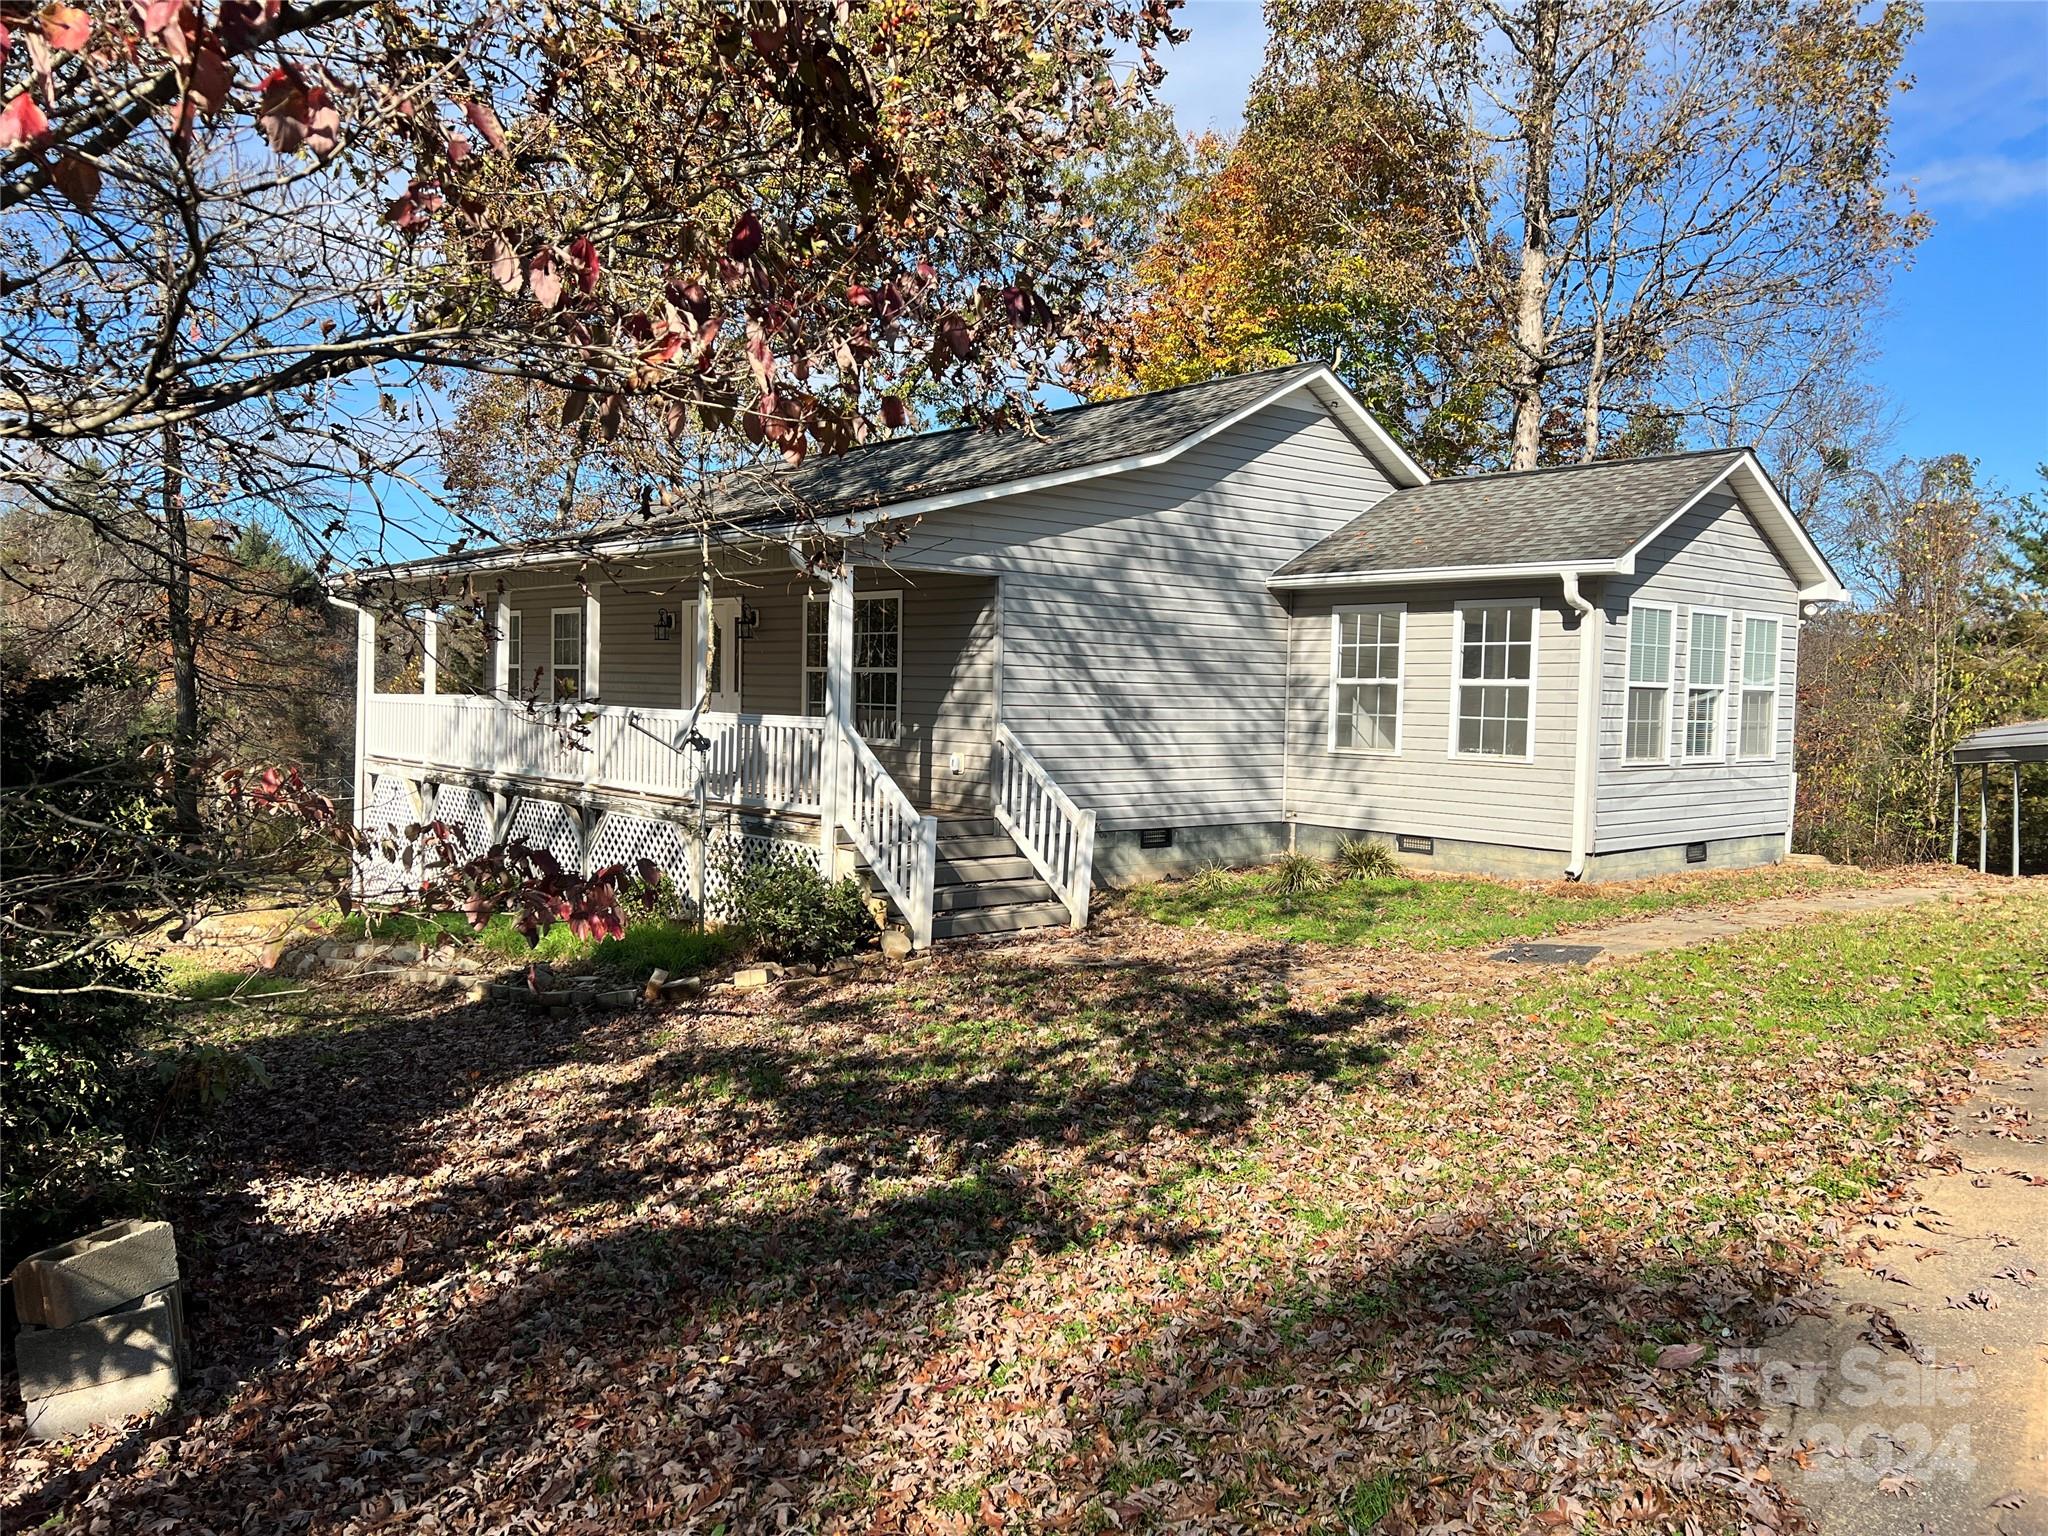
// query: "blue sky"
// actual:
[[1964, 346]]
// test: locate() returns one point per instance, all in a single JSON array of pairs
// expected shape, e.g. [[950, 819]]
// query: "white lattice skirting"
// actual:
[[620, 838]]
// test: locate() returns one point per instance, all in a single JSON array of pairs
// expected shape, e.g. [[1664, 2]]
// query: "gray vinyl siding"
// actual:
[[1423, 789], [1143, 660], [1713, 557]]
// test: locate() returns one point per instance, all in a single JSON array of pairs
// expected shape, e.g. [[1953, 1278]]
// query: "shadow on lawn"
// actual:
[[397, 1340]]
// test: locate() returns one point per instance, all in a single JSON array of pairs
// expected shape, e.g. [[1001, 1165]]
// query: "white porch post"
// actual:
[[366, 692], [430, 650], [502, 679], [700, 642], [593, 632], [838, 713]]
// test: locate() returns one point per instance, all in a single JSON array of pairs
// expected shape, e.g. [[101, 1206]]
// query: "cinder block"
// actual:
[[136, 1340], [73, 1413], [95, 1273]]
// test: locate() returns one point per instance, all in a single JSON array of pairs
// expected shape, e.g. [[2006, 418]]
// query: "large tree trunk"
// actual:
[[183, 642], [1533, 277]]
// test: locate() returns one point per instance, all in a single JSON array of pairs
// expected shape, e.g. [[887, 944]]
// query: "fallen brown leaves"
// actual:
[[1137, 1228]]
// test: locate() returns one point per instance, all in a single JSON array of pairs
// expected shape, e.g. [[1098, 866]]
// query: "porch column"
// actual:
[[593, 619], [838, 712], [700, 643], [430, 650], [502, 679], [366, 693]]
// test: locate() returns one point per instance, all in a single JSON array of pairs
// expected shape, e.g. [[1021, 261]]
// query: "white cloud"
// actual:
[[1980, 182]]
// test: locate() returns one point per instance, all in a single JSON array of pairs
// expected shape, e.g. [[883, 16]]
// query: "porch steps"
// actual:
[[984, 885]]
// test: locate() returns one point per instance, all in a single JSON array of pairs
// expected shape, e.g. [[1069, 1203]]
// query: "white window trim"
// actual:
[[805, 669], [1399, 679], [515, 652], [1535, 606], [1743, 687], [1629, 685], [1730, 687], [582, 654]]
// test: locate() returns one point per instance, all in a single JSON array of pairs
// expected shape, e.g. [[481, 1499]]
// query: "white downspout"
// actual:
[[1587, 743]]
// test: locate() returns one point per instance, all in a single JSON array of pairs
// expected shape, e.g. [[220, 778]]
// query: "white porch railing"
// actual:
[[769, 761], [1056, 835], [899, 844]]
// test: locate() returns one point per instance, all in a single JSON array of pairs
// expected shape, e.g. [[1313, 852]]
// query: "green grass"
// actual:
[[1446, 912], [198, 982]]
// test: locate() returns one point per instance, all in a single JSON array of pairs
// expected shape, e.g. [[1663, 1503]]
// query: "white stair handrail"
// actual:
[[1054, 833], [900, 845]]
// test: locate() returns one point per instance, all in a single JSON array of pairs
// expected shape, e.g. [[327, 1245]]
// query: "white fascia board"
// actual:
[[1817, 580], [1546, 569]]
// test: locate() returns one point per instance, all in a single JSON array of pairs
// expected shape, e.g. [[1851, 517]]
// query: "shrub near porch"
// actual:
[[1449, 911]]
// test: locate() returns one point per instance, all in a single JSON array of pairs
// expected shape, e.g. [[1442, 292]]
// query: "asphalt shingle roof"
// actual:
[[1542, 516], [939, 463]]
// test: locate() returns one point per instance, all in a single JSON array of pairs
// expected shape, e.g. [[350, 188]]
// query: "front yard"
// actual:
[[1150, 1227]]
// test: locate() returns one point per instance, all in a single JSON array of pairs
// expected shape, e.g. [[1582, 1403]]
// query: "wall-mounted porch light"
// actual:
[[664, 624], [744, 623]]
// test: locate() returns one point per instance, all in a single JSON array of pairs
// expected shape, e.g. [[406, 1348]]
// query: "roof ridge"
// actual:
[[1556, 469]]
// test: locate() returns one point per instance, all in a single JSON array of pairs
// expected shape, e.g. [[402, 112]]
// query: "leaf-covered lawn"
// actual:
[[1452, 912], [1142, 1228]]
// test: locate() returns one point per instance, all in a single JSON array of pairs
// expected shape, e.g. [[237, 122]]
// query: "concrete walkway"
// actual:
[[1681, 930], [1919, 1401]]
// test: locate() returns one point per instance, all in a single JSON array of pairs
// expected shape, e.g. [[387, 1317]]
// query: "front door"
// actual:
[[725, 657]]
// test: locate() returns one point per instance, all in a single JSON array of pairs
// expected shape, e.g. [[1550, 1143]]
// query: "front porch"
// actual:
[[854, 718]]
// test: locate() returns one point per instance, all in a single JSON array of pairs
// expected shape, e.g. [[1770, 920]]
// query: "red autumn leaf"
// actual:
[[583, 252], [22, 125], [504, 264], [859, 297], [894, 412], [79, 180], [1676, 1357], [955, 336], [485, 122], [458, 148], [212, 75], [745, 238], [65, 27], [282, 110], [543, 281], [155, 16]]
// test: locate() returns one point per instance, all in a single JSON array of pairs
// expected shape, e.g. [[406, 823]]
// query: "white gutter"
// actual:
[[1587, 741], [1409, 575]]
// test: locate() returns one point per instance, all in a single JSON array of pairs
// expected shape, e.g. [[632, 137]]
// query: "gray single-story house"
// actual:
[[1205, 624]]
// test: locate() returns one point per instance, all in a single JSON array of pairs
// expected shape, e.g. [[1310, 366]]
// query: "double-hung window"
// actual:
[[877, 662], [1706, 686], [1496, 661], [565, 657], [1646, 737], [1365, 679], [1759, 713], [510, 641]]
